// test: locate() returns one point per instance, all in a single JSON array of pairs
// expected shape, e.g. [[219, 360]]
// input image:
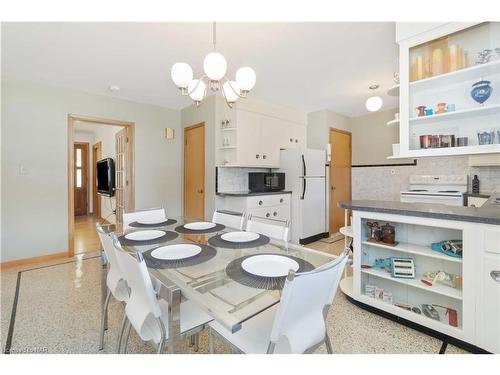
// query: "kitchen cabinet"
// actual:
[[438, 69], [256, 139], [475, 201]]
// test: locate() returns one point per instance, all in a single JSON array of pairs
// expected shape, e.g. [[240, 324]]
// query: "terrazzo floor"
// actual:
[[58, 311]]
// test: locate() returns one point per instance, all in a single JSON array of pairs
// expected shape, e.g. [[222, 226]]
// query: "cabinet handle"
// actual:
[[495, 275], [281, 200], [257, 156], [275, 213], [260, 203], [291, 139], [268, 214], [296, 141], [264, 156]]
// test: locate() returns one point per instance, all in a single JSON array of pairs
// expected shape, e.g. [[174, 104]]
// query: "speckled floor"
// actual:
[[58, 312]]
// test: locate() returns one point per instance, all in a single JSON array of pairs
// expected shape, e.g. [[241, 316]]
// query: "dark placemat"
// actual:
[[168, 236], [167, 222], [217, 241], [238, 274], [217, 228], [207, 253]]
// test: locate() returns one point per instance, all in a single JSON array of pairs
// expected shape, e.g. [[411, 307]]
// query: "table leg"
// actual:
[[104, 287], [174, 319]]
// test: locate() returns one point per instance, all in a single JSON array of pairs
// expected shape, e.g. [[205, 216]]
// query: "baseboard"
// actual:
[[33, 260]]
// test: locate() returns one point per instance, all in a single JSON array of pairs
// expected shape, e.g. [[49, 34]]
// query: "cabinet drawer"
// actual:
[[276, 212], [268, 200]]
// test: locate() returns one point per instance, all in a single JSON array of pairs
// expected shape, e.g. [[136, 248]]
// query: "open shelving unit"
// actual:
[[460, 114]]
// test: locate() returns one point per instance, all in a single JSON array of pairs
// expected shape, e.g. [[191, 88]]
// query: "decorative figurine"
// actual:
[[420, 110], [481, 91], [441, 108], [428, 111]]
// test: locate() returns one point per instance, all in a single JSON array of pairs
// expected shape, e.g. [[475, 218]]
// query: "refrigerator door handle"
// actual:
[[303, 188], [304, 166]]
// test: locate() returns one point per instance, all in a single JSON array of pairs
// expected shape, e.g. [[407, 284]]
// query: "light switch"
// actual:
[[22, 170]]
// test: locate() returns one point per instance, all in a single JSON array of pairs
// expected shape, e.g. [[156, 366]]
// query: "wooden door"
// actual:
[[96, 198], [194, 172], [81, 157], [340, 176]]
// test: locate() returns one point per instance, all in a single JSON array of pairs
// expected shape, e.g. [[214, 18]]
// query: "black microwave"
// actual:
[[262, 181]]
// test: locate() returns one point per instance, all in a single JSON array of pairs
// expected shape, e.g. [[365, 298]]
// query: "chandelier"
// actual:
[[214, 66]]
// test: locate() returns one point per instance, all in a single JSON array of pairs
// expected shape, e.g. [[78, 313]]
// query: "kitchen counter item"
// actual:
[[248, 193], [374, 230], [475, 184], [388, 234]]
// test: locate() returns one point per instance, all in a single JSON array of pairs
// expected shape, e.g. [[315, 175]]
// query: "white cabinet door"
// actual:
[[488, 322], [271, 133], [249, 138]]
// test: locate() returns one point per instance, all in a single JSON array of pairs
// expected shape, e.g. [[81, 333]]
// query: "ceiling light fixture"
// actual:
[[374, 103], [215, 67]]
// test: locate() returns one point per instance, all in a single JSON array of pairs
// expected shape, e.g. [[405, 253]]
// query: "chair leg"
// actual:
[[126, 336], [120, 336], [196, 342], [163, 337], [104, 318], [328, 343], [210, 341], [191, 341]]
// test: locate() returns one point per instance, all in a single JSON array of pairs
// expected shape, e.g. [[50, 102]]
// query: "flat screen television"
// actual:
[[106, 177]]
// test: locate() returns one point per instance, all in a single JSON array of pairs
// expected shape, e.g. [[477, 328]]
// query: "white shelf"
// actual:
[[415, 249], [456, 115], [226, 129], [472, 72], [415, 283], [227, 148], [392, 123], [445, 151]]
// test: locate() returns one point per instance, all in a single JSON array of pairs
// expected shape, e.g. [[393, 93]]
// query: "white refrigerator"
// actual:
[[305, 176]]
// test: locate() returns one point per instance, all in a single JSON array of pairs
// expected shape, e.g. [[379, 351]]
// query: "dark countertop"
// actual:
[[247, 193], [489, 213], [479, 195]]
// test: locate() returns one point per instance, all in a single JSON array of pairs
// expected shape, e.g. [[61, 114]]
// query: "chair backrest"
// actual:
[[229, 219], [273, 228], [154, 213], [305, 299], [142, 305]]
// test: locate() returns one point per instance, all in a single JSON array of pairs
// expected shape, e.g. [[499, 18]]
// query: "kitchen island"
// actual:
[[452, 294]]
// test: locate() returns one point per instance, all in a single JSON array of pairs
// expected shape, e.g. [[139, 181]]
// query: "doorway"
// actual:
[[81, 178], [194, 172], [86, 225], [340, 176], [96, 199]]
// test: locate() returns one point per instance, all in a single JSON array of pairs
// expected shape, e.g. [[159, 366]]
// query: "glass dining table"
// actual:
[[209, 285]]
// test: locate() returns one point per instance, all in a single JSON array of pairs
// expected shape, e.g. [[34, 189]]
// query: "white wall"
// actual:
[[87, 137], [319, 124], [34, 132]]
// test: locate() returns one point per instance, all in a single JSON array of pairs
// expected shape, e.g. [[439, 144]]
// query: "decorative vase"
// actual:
[[420, 110], [481, 91], [441, 108]]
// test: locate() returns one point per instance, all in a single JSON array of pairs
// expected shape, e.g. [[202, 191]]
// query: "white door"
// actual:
[[314, 161], [249, 138], [312, 206]]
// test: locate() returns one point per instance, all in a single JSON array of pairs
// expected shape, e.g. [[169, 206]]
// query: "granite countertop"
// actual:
[[479, 195], [489, 213], [247, 193]]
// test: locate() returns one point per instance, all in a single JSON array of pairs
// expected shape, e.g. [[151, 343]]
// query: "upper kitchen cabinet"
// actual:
[[450, 90], [252, 139]]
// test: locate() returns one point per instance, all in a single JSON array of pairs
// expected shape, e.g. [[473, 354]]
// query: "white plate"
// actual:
[[268, 265], [199, 225], [151, 221], [144, 235], [240, 236], [175, 252]]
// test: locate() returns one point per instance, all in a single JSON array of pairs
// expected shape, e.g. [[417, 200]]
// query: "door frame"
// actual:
[[72, 118], [330, 206], [186, 129], [87, 182], [96, 202]]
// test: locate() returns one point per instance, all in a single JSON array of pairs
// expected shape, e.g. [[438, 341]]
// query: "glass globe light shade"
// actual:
[[231, 91], [246, 78], [181, 74], [215, 66], [374, 103], [196, 89]]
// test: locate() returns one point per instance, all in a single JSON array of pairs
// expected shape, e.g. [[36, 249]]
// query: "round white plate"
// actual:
[[150, 221], [240, 236], [144, 235], [175, 252], [200, 225], [268, 265]]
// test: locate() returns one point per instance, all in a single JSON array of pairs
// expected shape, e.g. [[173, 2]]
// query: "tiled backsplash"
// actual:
[[230, 179], [385, 183]]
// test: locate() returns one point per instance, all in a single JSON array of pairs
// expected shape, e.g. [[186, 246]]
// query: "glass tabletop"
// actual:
[[208, 284]]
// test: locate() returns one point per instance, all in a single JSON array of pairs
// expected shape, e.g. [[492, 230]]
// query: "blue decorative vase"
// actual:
[[481, 91]]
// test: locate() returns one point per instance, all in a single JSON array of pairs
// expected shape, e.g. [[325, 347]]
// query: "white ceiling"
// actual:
[[310, 66]]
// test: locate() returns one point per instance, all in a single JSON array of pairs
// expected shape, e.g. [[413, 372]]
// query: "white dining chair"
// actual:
[[298, 323], [272, 228], [230, 219], [115, 279], [153, 213], [148, 313]]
